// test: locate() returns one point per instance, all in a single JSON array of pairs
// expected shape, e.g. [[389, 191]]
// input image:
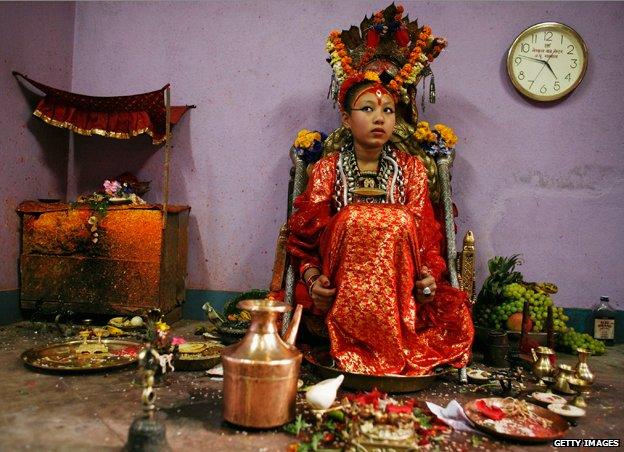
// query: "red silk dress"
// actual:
[[372, 254]]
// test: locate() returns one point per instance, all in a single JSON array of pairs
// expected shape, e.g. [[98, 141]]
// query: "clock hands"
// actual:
[[531, 58], [550, 68], [545, 65], [545, 62]]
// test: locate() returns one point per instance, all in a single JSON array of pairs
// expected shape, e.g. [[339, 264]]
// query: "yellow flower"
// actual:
[[372, 76], [421, 134], [423, 124], [162, 326], [306, 138], [447, 134]]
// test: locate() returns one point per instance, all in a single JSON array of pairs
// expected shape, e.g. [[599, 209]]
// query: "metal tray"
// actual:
[[63, 356], [558, 428], [322, 363]]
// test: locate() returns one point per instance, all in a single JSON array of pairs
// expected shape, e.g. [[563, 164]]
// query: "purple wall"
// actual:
[[37, 39], [541, 180]]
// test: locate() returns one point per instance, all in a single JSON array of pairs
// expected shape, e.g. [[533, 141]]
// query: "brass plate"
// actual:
[[323, 365], [556, 430], [63, 356]]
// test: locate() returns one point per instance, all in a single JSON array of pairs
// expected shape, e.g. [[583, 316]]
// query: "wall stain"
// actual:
[[583, 177]]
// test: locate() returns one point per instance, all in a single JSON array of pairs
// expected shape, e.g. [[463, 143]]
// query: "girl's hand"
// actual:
[[322, 293], [426, 281]]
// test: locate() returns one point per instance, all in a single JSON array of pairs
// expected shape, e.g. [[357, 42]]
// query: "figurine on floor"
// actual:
[[364, 231]]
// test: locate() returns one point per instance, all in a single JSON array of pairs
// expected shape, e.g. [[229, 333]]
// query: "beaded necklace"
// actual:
[[353, 185]]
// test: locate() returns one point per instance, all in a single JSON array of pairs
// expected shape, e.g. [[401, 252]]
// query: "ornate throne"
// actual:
[[461, 271]]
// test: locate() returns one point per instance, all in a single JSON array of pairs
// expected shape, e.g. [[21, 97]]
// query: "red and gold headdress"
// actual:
[[388, 44]]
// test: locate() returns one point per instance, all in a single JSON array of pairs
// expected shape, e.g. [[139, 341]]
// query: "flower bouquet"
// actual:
[[309, 145], [440, 140]]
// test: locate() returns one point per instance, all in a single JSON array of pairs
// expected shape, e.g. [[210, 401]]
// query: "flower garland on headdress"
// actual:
[[417, 47]]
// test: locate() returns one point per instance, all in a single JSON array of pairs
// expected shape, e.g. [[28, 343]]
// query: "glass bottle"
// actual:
[[604, 321]]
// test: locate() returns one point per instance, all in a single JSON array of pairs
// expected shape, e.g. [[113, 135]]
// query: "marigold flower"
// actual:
[[420, 134], [448, 135], [372, 76], [423, 124], [306, 138], [426, 29]]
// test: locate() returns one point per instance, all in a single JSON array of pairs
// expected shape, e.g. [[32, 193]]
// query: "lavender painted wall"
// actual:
[[542, 180], [37, 39]]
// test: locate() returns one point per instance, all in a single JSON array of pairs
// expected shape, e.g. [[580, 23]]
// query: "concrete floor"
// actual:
[[42, 411]]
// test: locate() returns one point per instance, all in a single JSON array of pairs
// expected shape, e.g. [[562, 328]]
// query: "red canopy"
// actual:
[[117, 117]]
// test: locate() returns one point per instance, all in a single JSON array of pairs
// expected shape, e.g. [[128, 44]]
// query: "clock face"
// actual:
[[547, 61]]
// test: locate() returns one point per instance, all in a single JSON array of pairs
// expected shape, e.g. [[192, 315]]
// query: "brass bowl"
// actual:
[[322, 363], [204, 360]]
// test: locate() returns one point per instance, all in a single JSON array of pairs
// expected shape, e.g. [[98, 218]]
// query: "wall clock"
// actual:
[[547, 61]]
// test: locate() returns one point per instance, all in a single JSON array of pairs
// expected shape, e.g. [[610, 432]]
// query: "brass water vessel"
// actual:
[[260, 372], [542, 367]]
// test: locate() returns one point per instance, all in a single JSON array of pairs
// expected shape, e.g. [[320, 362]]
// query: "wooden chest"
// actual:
[[127, 264]]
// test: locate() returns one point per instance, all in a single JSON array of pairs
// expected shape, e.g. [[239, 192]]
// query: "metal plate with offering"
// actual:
[[83, 355], [323, 364], [127, 324], [514, 419], [198, 356]]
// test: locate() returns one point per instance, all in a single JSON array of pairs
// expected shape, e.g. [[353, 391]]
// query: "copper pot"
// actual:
[[260, 372]]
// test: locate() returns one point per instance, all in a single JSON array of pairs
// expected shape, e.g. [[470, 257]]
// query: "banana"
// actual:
[[545, 287]]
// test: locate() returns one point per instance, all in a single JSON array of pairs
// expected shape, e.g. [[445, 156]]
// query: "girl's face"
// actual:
[[371, 119]]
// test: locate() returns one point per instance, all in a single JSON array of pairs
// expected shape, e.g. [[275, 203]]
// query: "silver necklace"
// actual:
[[389, 178]]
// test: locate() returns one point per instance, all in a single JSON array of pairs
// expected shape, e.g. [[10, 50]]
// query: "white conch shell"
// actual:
[[322, 395]]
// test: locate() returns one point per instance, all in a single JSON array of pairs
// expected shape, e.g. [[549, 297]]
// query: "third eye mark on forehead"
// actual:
[[369, 103]]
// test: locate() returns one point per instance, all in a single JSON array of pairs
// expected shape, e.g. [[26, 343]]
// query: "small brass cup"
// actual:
[[562, 384], [582, 387]]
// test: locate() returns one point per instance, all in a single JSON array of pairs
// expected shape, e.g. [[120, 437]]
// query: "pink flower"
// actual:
[[111, 187], [177, 340]]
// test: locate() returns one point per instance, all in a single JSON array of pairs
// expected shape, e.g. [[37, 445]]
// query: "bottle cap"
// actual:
[[603, 298]]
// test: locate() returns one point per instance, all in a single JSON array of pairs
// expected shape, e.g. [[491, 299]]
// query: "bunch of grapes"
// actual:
[[496, 316], [516, 294], [570, 340]]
